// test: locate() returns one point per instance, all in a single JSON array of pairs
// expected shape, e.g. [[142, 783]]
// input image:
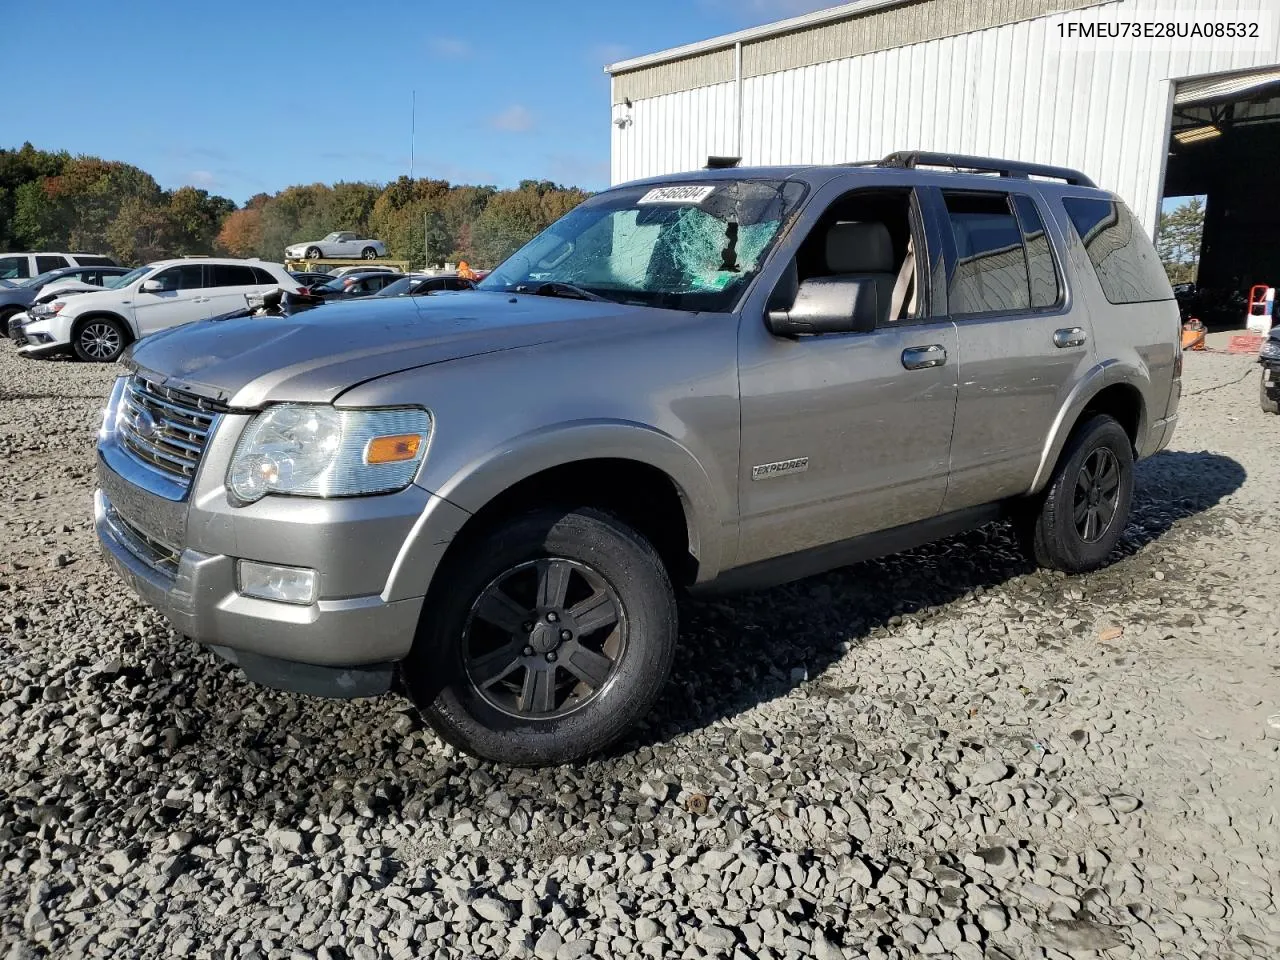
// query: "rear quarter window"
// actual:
[[1122, 255]]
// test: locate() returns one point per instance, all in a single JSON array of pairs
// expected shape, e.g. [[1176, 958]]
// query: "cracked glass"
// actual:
[[692, 246]]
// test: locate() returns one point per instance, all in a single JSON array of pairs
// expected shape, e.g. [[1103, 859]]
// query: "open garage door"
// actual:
[[1224, 149]]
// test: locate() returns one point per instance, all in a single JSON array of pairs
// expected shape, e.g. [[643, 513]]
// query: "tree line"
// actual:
[[56, 201]]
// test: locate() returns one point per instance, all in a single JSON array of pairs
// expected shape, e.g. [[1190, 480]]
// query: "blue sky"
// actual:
[[240, 97]]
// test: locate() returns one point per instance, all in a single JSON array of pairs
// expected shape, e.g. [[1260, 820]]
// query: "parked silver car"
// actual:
[[722, 379], [339, 244]]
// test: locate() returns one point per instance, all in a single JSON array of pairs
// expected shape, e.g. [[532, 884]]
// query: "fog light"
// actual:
[[285, 584]]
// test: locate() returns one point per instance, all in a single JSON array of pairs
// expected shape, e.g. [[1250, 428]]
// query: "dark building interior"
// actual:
[[1227, 148]]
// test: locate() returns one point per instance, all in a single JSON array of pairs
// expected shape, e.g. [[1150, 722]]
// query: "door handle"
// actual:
[[1069, 337], [921, 358]]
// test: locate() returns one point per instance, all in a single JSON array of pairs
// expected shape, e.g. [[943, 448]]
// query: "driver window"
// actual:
[[865, 235]]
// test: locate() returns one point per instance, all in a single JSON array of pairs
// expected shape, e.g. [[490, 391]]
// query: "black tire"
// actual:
[[369, 253], [437, 675], [1270, 400], [5, 317], [313, 253], [100, 340], [1052, 529]]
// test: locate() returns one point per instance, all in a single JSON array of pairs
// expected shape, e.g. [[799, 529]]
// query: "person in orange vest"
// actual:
[[465, 271]]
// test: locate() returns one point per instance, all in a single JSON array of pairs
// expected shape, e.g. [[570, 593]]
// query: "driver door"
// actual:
[[845, 434], [347, 245], [182, 298]]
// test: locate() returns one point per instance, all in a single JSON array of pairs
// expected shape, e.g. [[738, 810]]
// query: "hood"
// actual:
[[318, 355], [20, 296]]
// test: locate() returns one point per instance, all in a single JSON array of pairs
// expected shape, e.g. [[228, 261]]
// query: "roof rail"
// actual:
[[910, 159]]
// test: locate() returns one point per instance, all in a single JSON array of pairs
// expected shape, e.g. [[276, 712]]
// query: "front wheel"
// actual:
[[1270, 399], [550, 637], [1084, 511], [369, 253], [100, 340], [313, 253]]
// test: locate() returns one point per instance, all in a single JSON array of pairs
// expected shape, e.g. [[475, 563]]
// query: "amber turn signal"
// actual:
[[394, 449]]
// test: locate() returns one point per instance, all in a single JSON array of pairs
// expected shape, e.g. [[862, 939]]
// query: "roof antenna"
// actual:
[[722, 163]]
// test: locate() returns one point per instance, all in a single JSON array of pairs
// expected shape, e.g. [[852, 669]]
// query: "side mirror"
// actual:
[[829, 305], [151, 286]]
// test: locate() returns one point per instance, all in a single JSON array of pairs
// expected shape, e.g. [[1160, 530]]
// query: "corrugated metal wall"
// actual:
[[1016, 91]]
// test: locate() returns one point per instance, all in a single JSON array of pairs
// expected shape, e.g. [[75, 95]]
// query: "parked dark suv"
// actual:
[[720, 379]]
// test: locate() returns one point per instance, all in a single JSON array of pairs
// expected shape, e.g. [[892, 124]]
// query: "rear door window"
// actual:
[[1122, 255], [1046, 289], [232, 275], [991, 274], [44, 264], [15, 268], [94, 261]]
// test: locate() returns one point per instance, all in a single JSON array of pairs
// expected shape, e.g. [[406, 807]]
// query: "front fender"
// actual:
[[1100, 376], [496, 471]]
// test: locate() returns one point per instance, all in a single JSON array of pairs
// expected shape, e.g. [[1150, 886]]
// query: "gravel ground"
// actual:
[[945, 753]]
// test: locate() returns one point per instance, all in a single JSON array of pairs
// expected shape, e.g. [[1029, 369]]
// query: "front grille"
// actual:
[[166, 429], [145, 547]]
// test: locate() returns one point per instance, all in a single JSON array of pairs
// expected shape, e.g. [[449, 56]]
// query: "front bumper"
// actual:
[[374, 557], [41, 337]]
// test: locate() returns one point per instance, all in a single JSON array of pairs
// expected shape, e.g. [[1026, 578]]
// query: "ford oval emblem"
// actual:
[[145, 425]]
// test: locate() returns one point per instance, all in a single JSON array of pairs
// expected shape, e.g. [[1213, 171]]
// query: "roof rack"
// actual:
[[910, 159]]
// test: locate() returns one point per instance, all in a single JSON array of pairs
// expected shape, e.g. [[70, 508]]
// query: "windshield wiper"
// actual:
[[557, 288]]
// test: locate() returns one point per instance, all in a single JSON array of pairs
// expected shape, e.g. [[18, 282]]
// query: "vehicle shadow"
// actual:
[[739, 651]]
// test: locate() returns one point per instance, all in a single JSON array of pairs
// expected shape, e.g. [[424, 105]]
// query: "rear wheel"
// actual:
[[1083, 513], [369, 253], [550, 637], [100, 340], [1270, 399]]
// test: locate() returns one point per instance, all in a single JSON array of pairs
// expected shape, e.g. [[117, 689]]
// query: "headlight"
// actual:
[[311, 450], [1270, 350]]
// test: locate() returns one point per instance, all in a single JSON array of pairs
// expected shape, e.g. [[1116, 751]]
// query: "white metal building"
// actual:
[[988, 77]]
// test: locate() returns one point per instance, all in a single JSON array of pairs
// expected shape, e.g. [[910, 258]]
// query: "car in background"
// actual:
[[420, 285], [356, 285], [1269, 357], [372, 268], [98, 326], [338, 244], [19, 297], [310, 278], [23, 266]]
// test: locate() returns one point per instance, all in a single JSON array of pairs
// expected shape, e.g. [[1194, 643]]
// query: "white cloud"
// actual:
[[603, 54], [203, 178], [450, 48], [514, 119]]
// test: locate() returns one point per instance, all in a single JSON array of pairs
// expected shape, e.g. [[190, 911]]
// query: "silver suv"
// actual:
[[722, 379]]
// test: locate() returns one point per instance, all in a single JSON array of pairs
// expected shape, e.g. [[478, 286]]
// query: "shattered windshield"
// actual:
[[692, 246]]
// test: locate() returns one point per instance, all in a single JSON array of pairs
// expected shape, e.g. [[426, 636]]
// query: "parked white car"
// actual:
[[344, 245], [98, 326], [21, 266]]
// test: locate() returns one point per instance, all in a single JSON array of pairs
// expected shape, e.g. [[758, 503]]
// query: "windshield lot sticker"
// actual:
[[686, 194]]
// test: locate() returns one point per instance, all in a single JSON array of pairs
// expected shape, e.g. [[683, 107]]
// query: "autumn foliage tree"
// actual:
[[54, 201], [241, 233]]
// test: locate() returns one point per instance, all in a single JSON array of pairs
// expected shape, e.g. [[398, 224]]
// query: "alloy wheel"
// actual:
[[100, 341], [1097, 495], [544, 639]]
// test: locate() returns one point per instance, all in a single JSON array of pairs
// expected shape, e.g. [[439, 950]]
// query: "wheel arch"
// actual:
[[637, 472], [78, 323], [1111, 388]]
